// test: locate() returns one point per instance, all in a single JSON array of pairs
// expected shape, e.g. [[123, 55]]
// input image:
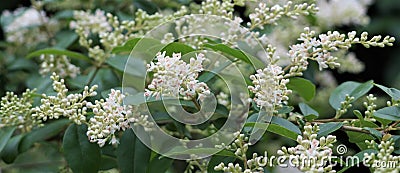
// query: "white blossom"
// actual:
[[311, 154], [269, 87], [342, 12], [174, 77], [28, 26], [94, 23], [111, 116]]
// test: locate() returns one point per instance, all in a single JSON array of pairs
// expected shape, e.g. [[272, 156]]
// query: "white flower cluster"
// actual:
[[343, 12], [239, 147], [315, 152], [111, 116], [174, 77], [269, 15], [320, 48], [269, 87], [27, 26], [16, 111], [60, 65], [72, 106], [94, 23], [383, 161]]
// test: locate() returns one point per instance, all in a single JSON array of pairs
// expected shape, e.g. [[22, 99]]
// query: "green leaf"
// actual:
[[10, 151], [278, 126], [81, 155], [186, 151], [65, 38], [327, 128], [130, 44], [308, 112], [43, 133], [354, 161], [237, 54], [356, 137], [159, 164], [176, 47], [392, 92], [57, 51], [303, 87], [107, 163], [388, 113], [377, 134], [132, 155], [285, 109], [118, 62], [358, 114], [353, 89], [5, 135]]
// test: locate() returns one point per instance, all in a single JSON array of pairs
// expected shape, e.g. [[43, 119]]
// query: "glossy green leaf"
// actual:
[[278, 126], [356, 137], [285, 109], [327, 128], [82, 156], [388, 113], [377, 134], [392, 92], [308, 112], [353, 89], [130, 44], [159, 164], [49, 130], [236, 53], [176, 47], [65, 38], [304, 87], [132, 155], [58, 51], [5, 135], [10, 151]]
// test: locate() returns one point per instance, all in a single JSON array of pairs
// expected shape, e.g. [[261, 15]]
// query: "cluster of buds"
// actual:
[[72, 106], [239, 147], [311, 154], [174, 77], [371, 107], [58, 64], [16, 111], [344, 106], [320, 48], [269, 15], [269, 87], [111, 116], [383, 161], [215, 7]]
